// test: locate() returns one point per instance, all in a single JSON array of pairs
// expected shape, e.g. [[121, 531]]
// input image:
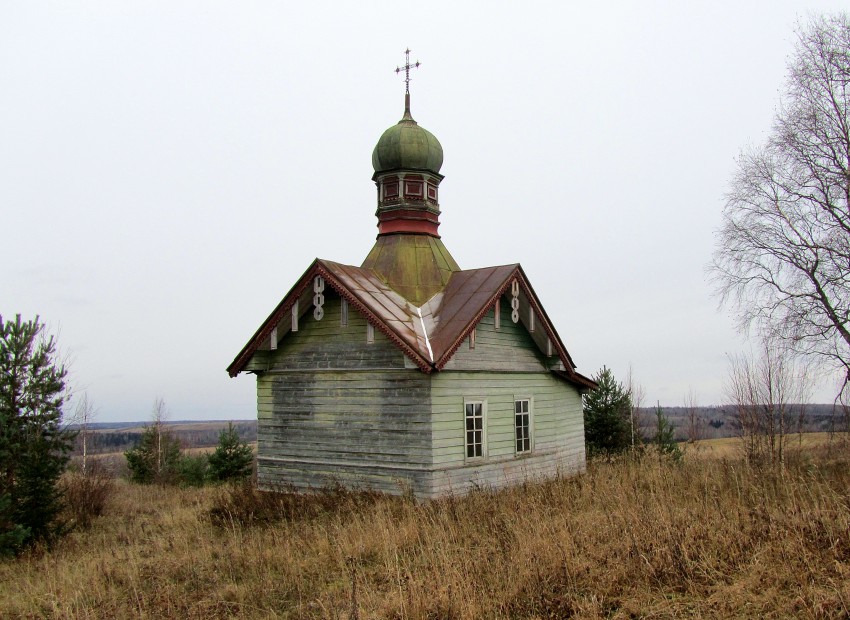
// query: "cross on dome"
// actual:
[[407, 67]]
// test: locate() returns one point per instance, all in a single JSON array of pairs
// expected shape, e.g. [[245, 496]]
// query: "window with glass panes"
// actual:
[[522, 423], [474, 430]]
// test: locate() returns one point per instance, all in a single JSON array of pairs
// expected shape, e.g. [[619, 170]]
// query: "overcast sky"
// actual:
[[169, 169]]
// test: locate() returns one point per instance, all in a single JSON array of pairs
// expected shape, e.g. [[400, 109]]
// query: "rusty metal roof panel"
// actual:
[[391, 310], [467, 297], [429, 335]]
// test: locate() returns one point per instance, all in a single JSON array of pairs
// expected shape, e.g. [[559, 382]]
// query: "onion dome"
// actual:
[[407, 146], [408, 254]]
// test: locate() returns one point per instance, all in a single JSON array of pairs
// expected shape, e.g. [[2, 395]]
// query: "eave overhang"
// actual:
[[430, 338], [280, 314]]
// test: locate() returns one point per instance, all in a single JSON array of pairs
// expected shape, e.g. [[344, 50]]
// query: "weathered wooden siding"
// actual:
[[505, 365], [557, 429], [508, 349], [326, 345], [332, 408]]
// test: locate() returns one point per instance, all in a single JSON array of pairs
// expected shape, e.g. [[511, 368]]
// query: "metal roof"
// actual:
[[429, 334]]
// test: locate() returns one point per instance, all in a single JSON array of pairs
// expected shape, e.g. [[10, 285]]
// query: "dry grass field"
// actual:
[[710, 538], [731, 447]]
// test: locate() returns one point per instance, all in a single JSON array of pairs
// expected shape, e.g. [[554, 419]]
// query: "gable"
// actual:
[[329, 343], [430, 335], [509, 347]]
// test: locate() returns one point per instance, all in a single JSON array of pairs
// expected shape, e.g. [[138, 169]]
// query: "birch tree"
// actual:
[[782, 257], [765, 392], [84, 415]]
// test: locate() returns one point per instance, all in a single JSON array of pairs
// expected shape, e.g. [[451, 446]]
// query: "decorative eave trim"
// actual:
[[423, 364], [447, 355], [265, 329], [547, 323], [318, 267], [534, 302]]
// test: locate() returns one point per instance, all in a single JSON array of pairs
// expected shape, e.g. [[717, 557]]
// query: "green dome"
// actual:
[[407, 146]]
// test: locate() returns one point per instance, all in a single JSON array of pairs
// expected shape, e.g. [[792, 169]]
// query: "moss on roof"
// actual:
[[415, 266], [407, 146]]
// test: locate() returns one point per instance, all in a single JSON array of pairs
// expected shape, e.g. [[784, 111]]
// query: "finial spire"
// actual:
[[407, 67]]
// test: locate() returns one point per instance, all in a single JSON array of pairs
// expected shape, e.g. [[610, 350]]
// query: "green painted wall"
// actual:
[[509, 348], [334, 408], [505, 365]]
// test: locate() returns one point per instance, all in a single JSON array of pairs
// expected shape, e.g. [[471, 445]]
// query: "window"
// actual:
[[474, 430], [522, 424]]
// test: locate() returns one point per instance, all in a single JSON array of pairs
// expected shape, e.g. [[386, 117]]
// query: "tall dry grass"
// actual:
[[710, 538]]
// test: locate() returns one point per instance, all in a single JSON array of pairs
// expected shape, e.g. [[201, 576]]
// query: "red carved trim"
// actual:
[[271, 322], [414, 189], [416, 227], [538, 309], [420, 361], [408, 214], [449, 353]]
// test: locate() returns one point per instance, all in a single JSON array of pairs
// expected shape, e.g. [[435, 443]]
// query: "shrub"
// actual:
[[155, 458], [193, 470], [606, 416], [86, 495], [664, 440]]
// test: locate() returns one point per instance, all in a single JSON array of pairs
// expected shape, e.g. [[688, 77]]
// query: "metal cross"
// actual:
[[407, 67]]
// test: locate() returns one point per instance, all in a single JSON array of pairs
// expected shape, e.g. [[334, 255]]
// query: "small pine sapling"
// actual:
[[233, 458], [664, 440]]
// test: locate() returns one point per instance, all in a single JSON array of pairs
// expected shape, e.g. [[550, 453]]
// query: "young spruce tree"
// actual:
[[33, 445], [157, 456], [606, 416], [232, 458], [665, 440]]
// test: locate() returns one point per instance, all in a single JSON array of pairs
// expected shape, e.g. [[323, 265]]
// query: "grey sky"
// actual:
[[168, 170]]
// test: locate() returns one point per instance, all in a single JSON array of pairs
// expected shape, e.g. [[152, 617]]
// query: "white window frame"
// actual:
[[530, 413], [472, 402]]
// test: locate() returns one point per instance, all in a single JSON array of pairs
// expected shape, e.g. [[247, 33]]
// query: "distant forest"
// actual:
[[104, 438], [719, 421]]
